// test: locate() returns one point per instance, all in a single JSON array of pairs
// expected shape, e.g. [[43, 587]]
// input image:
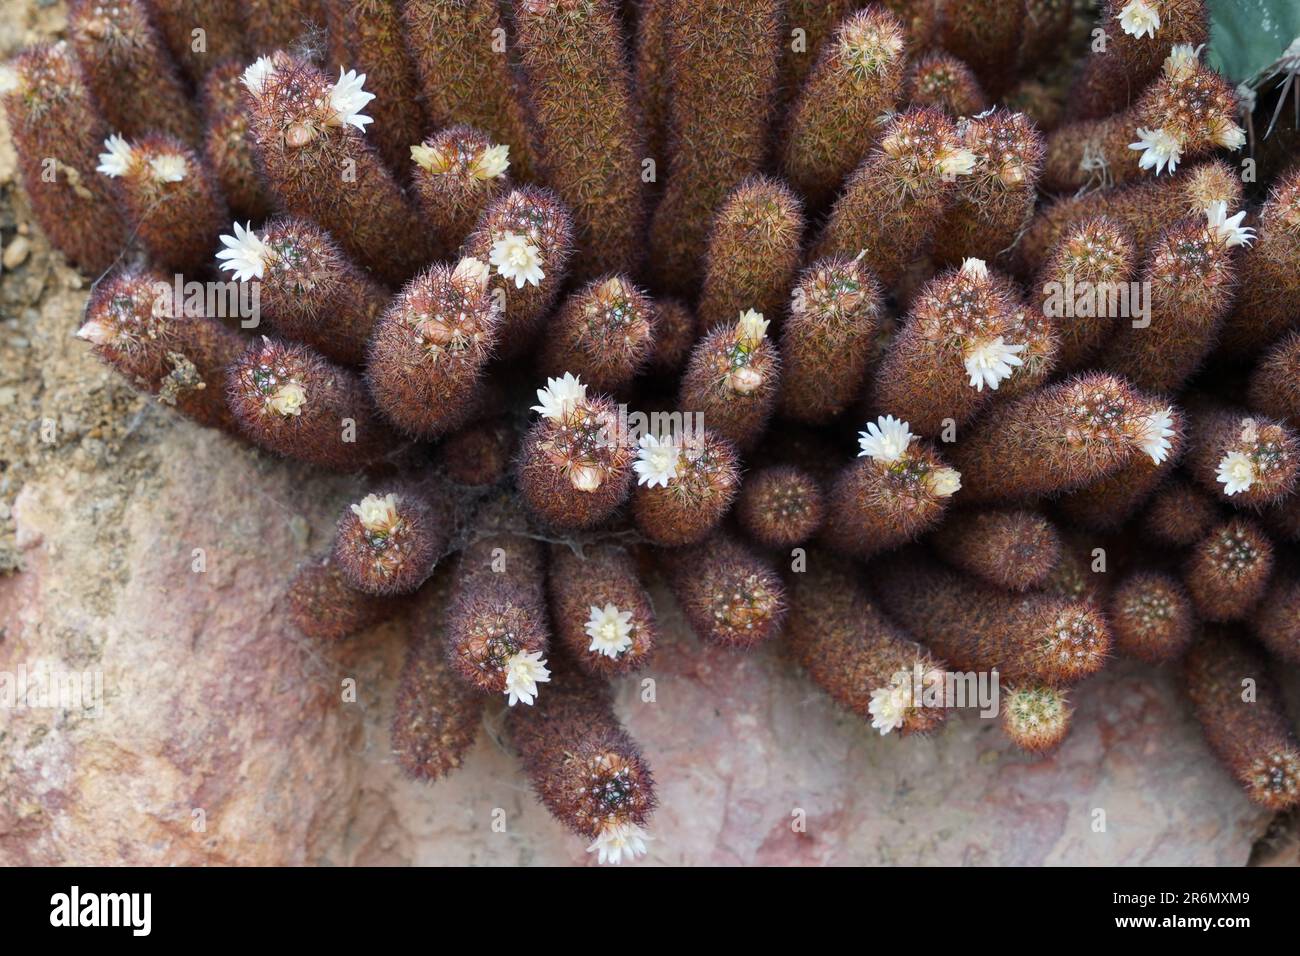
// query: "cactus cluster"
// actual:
[[892, 346]]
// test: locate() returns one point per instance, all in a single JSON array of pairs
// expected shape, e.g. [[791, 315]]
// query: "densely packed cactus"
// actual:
[[1034, 270]]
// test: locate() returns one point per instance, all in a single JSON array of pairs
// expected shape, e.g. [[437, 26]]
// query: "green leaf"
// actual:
[[1247, 36]]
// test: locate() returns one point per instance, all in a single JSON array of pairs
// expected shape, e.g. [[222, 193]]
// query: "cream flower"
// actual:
[[990, 362], [1236, 473], [751, 329], [1182, 61], [560, 397], [885, 440], [1228, 229], [256, 75], [1154, 433], [1229, 135], [117, 157], [288, 399], [428, 158], [473, 270], [1138, 18], [610, 630], [1159, 149], [619, 840], [96, 333], [492, 163], [975, 268], [888, 707], [656, 461], [348, 99], [377, 514], [245, 254], [168, 167], [517, 258], [955, 162], [523, 673], [944, 482]]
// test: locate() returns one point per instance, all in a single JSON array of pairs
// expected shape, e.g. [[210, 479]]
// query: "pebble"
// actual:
[[16, 252]]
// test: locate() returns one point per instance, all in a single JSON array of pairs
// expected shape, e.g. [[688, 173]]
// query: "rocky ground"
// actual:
[[154, 553]]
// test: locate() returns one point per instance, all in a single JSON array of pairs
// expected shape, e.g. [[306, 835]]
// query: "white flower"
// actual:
[[1154, 433], [492, 163], [885, 440], [956, 162], [656, 461], [888, 707], [944, 482], [751, 329], [619, 840], [428, 158], [245, 254], [975, 268], [9, 79], [168, 167], [116, 160], [991, 361], [473, 270], [256, 75], [289, 399], [610, 630], [1138, 18], [348, 99], [560, 397], [1159, 149], [1236, 473], [517, 258], [1225, 229], [587, 477], [96, 333], [377, 514], [523, 673], [1183, 60], [1229, 135]]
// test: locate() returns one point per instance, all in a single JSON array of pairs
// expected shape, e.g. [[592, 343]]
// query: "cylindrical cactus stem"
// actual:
[[371, 33], [291, 400], [1076, 576], [56, 129], [836, 117], [1192, 279], [828, 339], [781, 506], [584, 767], [995, 201], [170, 198], [1013, 549], [1152, 617], [1062, 437], [1139, 34], [1031, 637], [723, 57], [685, 484], [1036, 717], [1084, 273], [729, 595], [1242, 713], [1046, 28], [1188, 112], [200, 34], [896, 490], [1179, 514], [1269, 299], [526, 236], [651, 75], [1107, 504], [480, 453], [307, 287], [674, 336], [852, 651], [1042, 345], [308, 134], [322, 605], [809, 25], [604, 333], [1228, 570], [576, 464], [896, 198], [941, 81], [1275, 383], [225, 142], [459, 48], [137, 323], [958, 345], [458, 171], [436, 716], [1277, 620], [128, 70], [496, 625], [732, 380], [390, 540], [600, 610], [589, 128], [921, 18], [1245, 460], [282, 24], [986, 34], [753, 252], [428, 351]]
